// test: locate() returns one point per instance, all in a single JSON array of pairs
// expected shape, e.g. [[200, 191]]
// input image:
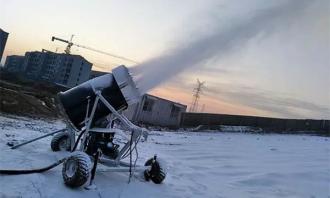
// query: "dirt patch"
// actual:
[[16, 102], [28, 98]]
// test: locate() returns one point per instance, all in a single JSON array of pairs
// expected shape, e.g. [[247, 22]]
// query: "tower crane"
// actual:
[[70, 44]]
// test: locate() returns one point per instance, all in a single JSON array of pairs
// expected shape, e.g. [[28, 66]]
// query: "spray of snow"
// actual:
[[222, 41]]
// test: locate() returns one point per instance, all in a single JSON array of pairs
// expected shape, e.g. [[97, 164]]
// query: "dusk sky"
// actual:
[[258, 57]]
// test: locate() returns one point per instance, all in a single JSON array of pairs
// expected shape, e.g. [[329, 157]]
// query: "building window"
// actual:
[[148, 104], [175, 111]]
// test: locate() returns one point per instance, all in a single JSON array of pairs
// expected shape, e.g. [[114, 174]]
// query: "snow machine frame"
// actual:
[[116, 165], [83, 107]]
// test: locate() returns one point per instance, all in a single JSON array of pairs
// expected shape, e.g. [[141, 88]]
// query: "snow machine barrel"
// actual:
[[117, 88]]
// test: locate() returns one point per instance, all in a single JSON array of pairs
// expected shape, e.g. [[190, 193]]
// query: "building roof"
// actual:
[[97, 73], [62, 54], [159, 98], [1, 30], [16, 56]]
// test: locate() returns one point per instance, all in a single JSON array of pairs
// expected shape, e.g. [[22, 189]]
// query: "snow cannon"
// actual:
[[117, 88], [86, 104], [83, 106]]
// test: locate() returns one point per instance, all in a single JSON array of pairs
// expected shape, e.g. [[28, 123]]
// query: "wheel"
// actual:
[[156, 172], [61, 142], [76, 170]]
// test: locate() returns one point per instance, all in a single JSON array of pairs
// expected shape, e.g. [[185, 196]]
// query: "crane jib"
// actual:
[[70, 44]]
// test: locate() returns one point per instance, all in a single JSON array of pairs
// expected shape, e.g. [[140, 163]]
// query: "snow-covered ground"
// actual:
[[199, 165]]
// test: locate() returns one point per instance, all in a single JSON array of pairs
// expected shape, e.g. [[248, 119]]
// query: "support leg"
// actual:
[[38, 138], [93, 171]]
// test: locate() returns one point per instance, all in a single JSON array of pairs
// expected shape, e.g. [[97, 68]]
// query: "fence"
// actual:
[[274, 124]]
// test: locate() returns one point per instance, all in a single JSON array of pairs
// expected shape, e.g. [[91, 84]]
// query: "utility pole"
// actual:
[[196, 95]]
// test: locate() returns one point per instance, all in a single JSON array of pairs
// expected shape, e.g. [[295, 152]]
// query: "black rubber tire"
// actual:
[[57, 139], [146, 175], [82, 170], [156, 173]]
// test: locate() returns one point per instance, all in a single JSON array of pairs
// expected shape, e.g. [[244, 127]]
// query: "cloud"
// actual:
[[223, 40], [282, 105], [289, 50], [271, 103]]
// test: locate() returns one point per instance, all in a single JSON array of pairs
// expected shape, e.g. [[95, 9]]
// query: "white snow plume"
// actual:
[[220, 42]]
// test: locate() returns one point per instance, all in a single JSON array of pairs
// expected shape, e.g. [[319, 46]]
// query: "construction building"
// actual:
[[14, 63], [71, 69], [155, 111], [65, 69], [3, 41], [33, 63]]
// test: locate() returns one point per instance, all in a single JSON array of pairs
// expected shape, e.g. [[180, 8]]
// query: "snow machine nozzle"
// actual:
[[118, 88]]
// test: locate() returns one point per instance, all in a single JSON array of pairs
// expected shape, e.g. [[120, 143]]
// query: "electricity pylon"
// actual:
[[196, 95]]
